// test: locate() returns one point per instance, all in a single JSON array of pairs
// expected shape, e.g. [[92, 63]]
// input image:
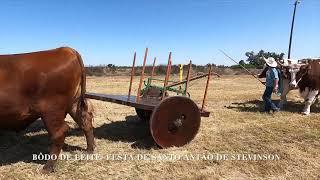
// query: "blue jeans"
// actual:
[[268, 104]]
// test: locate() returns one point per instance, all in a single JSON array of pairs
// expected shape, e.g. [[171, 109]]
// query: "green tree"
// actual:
[[257, 59], [242, 63]]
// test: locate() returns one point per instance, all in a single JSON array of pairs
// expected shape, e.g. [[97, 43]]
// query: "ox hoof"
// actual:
[[305, 113], [47, 169], [90, 151]]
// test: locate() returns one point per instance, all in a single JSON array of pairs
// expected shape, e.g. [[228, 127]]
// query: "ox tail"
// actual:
[[82, 104]]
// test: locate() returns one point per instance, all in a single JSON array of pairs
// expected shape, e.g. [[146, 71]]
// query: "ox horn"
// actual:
[[281, 64], [286, 62], [302, 64]]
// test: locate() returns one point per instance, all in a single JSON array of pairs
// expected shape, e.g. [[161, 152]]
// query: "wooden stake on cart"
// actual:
[[167, 76], [205, 92], [142, 74], [153, 67], [132, 74], [188, 76]]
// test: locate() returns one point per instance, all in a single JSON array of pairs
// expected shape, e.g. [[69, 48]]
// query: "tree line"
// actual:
[[253, 61]]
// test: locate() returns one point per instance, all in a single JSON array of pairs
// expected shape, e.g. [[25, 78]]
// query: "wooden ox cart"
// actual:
[[174, 120]]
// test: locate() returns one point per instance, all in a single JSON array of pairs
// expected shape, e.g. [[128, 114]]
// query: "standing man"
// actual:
[[272, 82]]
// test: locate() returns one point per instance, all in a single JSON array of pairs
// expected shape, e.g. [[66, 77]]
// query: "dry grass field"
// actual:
[[235, 127]]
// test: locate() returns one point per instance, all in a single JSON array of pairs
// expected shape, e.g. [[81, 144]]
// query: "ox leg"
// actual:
[[85, 123], [309, 100], [283, 101], [57, 128], [285, 91]]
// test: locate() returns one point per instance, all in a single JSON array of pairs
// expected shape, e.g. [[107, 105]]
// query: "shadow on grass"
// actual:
[[258, 105], [131, 130], [20, 147]]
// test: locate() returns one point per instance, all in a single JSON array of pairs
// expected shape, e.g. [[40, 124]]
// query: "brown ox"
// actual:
[[305, 77], [47, 85]]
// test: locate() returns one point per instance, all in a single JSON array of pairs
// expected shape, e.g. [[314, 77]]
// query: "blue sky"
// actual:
[[109, 31]]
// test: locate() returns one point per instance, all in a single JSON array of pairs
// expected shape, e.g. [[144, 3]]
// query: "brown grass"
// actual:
[[235, 127]]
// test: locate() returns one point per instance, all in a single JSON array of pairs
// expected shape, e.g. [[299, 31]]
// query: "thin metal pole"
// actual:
[[292, 25], [142, 74], [205, 92], [167, 76], [188, 77], [192, 79], [132, 74]]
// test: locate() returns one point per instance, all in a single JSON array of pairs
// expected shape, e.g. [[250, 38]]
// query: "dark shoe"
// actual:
[[276, 110]]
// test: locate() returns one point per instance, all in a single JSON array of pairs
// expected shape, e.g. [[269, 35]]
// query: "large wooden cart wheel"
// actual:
[[175, 121]]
